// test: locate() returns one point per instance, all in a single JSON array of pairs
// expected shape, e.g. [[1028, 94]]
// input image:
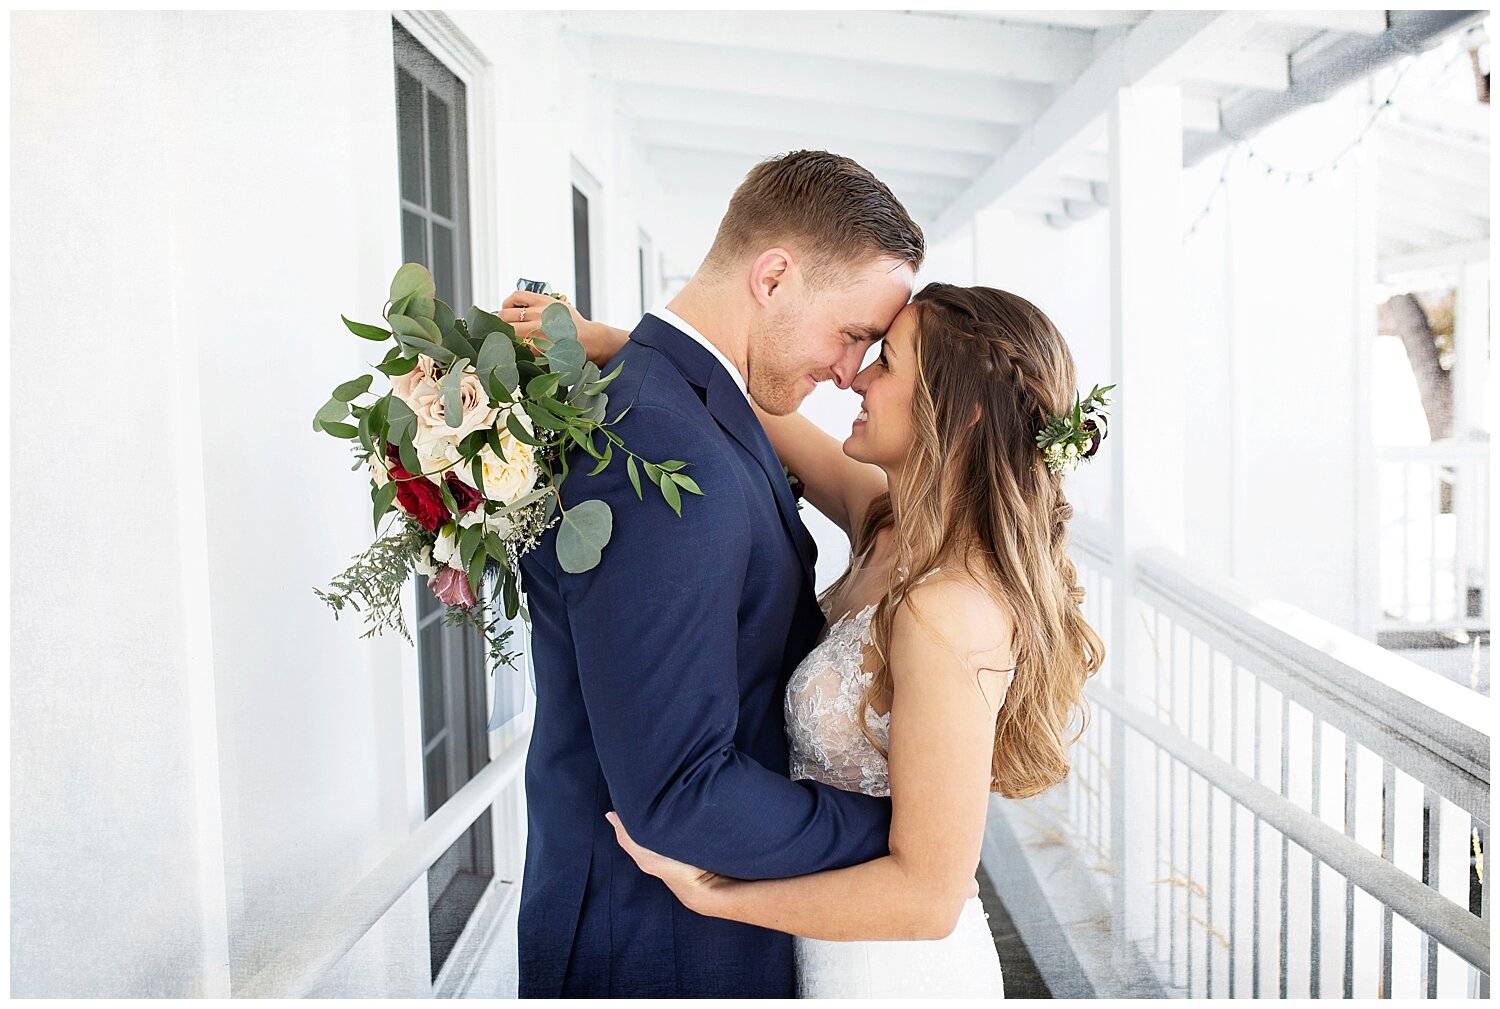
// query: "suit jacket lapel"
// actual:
[[730, 408]]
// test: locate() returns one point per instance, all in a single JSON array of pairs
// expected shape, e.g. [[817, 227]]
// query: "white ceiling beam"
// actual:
[[905, 40], [1090, 20], [1250, 68], [1200, 113], [1459, 227], [763, 142], [726, 170], [1416, 175], [1153, 50], [1393, 267], [1354, 22], [836, 122], [796, 78]]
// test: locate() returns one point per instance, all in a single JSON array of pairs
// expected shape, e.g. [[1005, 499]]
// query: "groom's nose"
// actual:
[[847, 366]]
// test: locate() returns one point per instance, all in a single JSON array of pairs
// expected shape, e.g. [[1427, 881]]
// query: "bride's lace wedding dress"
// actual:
[[826, 745]]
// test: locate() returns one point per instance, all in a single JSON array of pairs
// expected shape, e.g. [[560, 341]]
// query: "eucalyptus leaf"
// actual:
[[494, 545], [365, 330], [481, 324], [453, 408], [397, 365], [567, 358], [458, 345], [498, 355], [400, 420], [583, 534], [340, 430], [419, 307], [365, 437], [353, 388], [443, 318], [557, 323], [421, 329], [331, 412], [412, 278]]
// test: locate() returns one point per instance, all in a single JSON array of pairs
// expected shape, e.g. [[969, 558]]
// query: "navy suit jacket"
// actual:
[[659, 682]]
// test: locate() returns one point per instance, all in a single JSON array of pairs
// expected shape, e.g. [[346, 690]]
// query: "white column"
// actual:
[[1471, 344], [1147, 444]]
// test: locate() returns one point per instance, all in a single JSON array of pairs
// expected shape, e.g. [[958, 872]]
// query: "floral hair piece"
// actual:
[[1077, 434]]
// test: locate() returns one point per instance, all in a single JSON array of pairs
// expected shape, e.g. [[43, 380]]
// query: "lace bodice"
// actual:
[[822, 698]]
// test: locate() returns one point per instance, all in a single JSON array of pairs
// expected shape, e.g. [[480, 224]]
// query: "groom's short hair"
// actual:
[[826, 206]]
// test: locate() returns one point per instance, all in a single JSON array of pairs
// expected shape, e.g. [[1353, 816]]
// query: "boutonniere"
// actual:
[[798, 488]]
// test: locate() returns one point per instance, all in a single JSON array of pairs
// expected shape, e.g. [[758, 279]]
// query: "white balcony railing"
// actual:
[[1434, 536], [1270, 806]]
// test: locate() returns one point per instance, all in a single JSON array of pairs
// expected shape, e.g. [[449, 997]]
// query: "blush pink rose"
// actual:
[[451, 586]]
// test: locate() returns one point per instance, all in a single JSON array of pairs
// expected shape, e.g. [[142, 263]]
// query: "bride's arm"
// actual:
[[941, 745], [837, 485]]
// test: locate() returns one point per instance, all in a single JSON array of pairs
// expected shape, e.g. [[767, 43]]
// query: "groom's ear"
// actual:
[[769, 272]]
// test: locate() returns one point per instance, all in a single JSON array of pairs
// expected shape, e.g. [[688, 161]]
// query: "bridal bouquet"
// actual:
[[466, 457]]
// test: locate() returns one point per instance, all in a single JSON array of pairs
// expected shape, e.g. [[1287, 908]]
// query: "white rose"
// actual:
[[436, 454], [1071, 450], [424, 563], [512, 478], [445, 549], [378, 472]]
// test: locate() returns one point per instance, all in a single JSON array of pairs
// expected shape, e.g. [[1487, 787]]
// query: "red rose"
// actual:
[[466, 497], [418, 497]]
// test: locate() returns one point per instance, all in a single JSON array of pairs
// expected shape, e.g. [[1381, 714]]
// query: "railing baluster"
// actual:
[[1432, 824], [1286, 737], [1256, 887], [1387, 852], [1351, 783], [1314, 955]]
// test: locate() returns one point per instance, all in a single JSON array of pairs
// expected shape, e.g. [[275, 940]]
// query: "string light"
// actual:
[[1286, 174]]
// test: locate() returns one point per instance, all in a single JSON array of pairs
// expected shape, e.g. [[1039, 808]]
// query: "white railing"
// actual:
[[330, 935], [1434, 536], [1267, 808]]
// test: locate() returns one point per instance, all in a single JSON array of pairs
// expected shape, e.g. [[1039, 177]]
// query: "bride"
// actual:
[[955, 654]]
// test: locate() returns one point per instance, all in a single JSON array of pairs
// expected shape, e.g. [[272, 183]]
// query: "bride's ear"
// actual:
[[768, 273]]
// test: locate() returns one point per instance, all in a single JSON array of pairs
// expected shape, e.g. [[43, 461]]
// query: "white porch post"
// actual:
[[1147, 443]]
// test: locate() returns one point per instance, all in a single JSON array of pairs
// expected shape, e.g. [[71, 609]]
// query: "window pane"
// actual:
[[430, 657], [439, 143], [435, 775], [409, 133], [442, 265], [581, 297], [413, 238]]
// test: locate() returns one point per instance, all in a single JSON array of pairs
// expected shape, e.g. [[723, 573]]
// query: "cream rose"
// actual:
[[436, 454], [431, 421], [445, 547], [512, 478]]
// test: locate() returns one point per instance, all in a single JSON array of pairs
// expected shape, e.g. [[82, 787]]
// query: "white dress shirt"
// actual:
[[671, 318]]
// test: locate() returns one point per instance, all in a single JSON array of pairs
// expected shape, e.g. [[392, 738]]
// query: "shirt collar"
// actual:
[[676, 321]]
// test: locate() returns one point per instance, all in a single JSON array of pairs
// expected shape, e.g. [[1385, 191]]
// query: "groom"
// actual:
[[660, 673]]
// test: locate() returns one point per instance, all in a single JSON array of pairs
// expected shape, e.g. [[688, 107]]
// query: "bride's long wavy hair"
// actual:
[[979, 489]]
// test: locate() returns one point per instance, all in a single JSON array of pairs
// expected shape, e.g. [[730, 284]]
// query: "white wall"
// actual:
[[205, 759]]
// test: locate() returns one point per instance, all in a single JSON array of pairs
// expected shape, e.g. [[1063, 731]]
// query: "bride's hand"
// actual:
[[690, 883], [593, 335]]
